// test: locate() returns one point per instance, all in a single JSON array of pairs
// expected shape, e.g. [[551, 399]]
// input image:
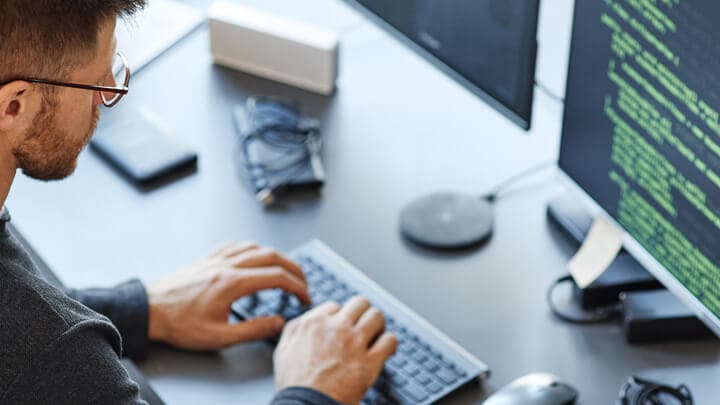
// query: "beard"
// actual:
[[48, 153]]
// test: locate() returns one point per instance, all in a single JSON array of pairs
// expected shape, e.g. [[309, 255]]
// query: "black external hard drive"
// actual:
[[143, 151]]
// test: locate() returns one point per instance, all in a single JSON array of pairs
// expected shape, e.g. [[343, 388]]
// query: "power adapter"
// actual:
[[625, 274], [658, 316]]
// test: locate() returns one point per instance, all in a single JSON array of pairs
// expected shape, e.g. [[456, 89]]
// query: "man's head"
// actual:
[[44, 128]]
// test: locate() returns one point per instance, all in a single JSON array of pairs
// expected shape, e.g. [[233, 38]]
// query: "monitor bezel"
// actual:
[[517, 118]]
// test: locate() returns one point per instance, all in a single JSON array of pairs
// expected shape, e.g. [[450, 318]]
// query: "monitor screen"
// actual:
[[641, 133], [489, 46]]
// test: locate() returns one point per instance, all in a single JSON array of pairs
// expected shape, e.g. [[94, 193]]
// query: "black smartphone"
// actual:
[[143, 151]]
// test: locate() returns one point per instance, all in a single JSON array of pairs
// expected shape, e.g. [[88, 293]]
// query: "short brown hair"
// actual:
[[47, 38]]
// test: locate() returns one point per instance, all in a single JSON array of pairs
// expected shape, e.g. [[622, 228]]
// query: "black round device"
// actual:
[[447, 220]]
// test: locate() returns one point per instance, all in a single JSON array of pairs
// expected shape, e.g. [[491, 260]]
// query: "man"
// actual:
[[55, 71]]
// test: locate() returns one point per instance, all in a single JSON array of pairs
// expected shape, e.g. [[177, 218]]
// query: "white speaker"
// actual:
[[273, 47]]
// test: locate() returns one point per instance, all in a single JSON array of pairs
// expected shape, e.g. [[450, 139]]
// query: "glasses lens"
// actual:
[[118, 78]]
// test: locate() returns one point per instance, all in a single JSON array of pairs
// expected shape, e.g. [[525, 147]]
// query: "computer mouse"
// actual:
[[535, 389]]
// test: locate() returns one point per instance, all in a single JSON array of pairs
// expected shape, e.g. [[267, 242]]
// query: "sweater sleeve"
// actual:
[[80, 367], [126, 305], [302, 396]]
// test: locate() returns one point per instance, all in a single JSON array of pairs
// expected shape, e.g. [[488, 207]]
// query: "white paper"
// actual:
[[600, 248]]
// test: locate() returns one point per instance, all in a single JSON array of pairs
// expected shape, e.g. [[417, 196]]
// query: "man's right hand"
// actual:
[[336, 350]]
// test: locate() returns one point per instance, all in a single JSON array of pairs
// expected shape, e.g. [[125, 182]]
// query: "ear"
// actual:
[[17, 103]]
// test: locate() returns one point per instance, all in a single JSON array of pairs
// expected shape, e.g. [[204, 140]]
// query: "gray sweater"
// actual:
[[56, 348]]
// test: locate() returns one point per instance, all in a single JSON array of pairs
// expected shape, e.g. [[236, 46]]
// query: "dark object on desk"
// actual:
[[447, 221], [142, 151], [452, 221], [658, 316], [648, 312], [280, 148], [638, 391], [427, 366], [624, 274], [535, 389]]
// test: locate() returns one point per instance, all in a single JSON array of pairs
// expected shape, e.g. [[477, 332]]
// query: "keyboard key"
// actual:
[[340, 296], [420, 357], [397, 361], [460, 373], [447, 376], [446, 363], [411, 369], [318, 299], [399, 379], [406, 347], [263, 312], [431, 366], [313, 278], [434, 387], [414, 392], [292, 313], [326, 288], [423, 378], [394, 396]]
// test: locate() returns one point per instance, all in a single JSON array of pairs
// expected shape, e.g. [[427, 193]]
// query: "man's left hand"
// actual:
[[190, 309]]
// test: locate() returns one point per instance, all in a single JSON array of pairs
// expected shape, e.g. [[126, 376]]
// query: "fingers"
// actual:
[[354, 309], [254, 280], [384, 347], [327, 308], [231, 249], [247, 331], [266, 257], [370, 325]]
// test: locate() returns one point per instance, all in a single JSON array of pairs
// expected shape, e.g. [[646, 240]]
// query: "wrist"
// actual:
[[305, 395], [325, 388], [156, 323]]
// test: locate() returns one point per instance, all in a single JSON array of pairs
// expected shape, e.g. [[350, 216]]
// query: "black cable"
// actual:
[[493, 195], [292, 143], [599, 315], [651, 392], [545, 89], [289, 140]]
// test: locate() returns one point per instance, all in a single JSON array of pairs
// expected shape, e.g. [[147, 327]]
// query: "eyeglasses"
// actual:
[[110, 92]]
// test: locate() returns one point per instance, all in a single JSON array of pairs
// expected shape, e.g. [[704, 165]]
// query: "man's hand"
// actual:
[[190, 309], [338, 351]]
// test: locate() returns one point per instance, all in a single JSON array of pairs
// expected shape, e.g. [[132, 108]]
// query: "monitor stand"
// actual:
[[650, 313]]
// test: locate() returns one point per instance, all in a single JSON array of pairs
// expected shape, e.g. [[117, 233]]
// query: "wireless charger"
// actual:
[[447, 221]]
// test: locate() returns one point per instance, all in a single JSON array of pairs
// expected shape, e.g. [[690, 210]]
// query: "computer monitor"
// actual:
[[488, 46], [641, 135]]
